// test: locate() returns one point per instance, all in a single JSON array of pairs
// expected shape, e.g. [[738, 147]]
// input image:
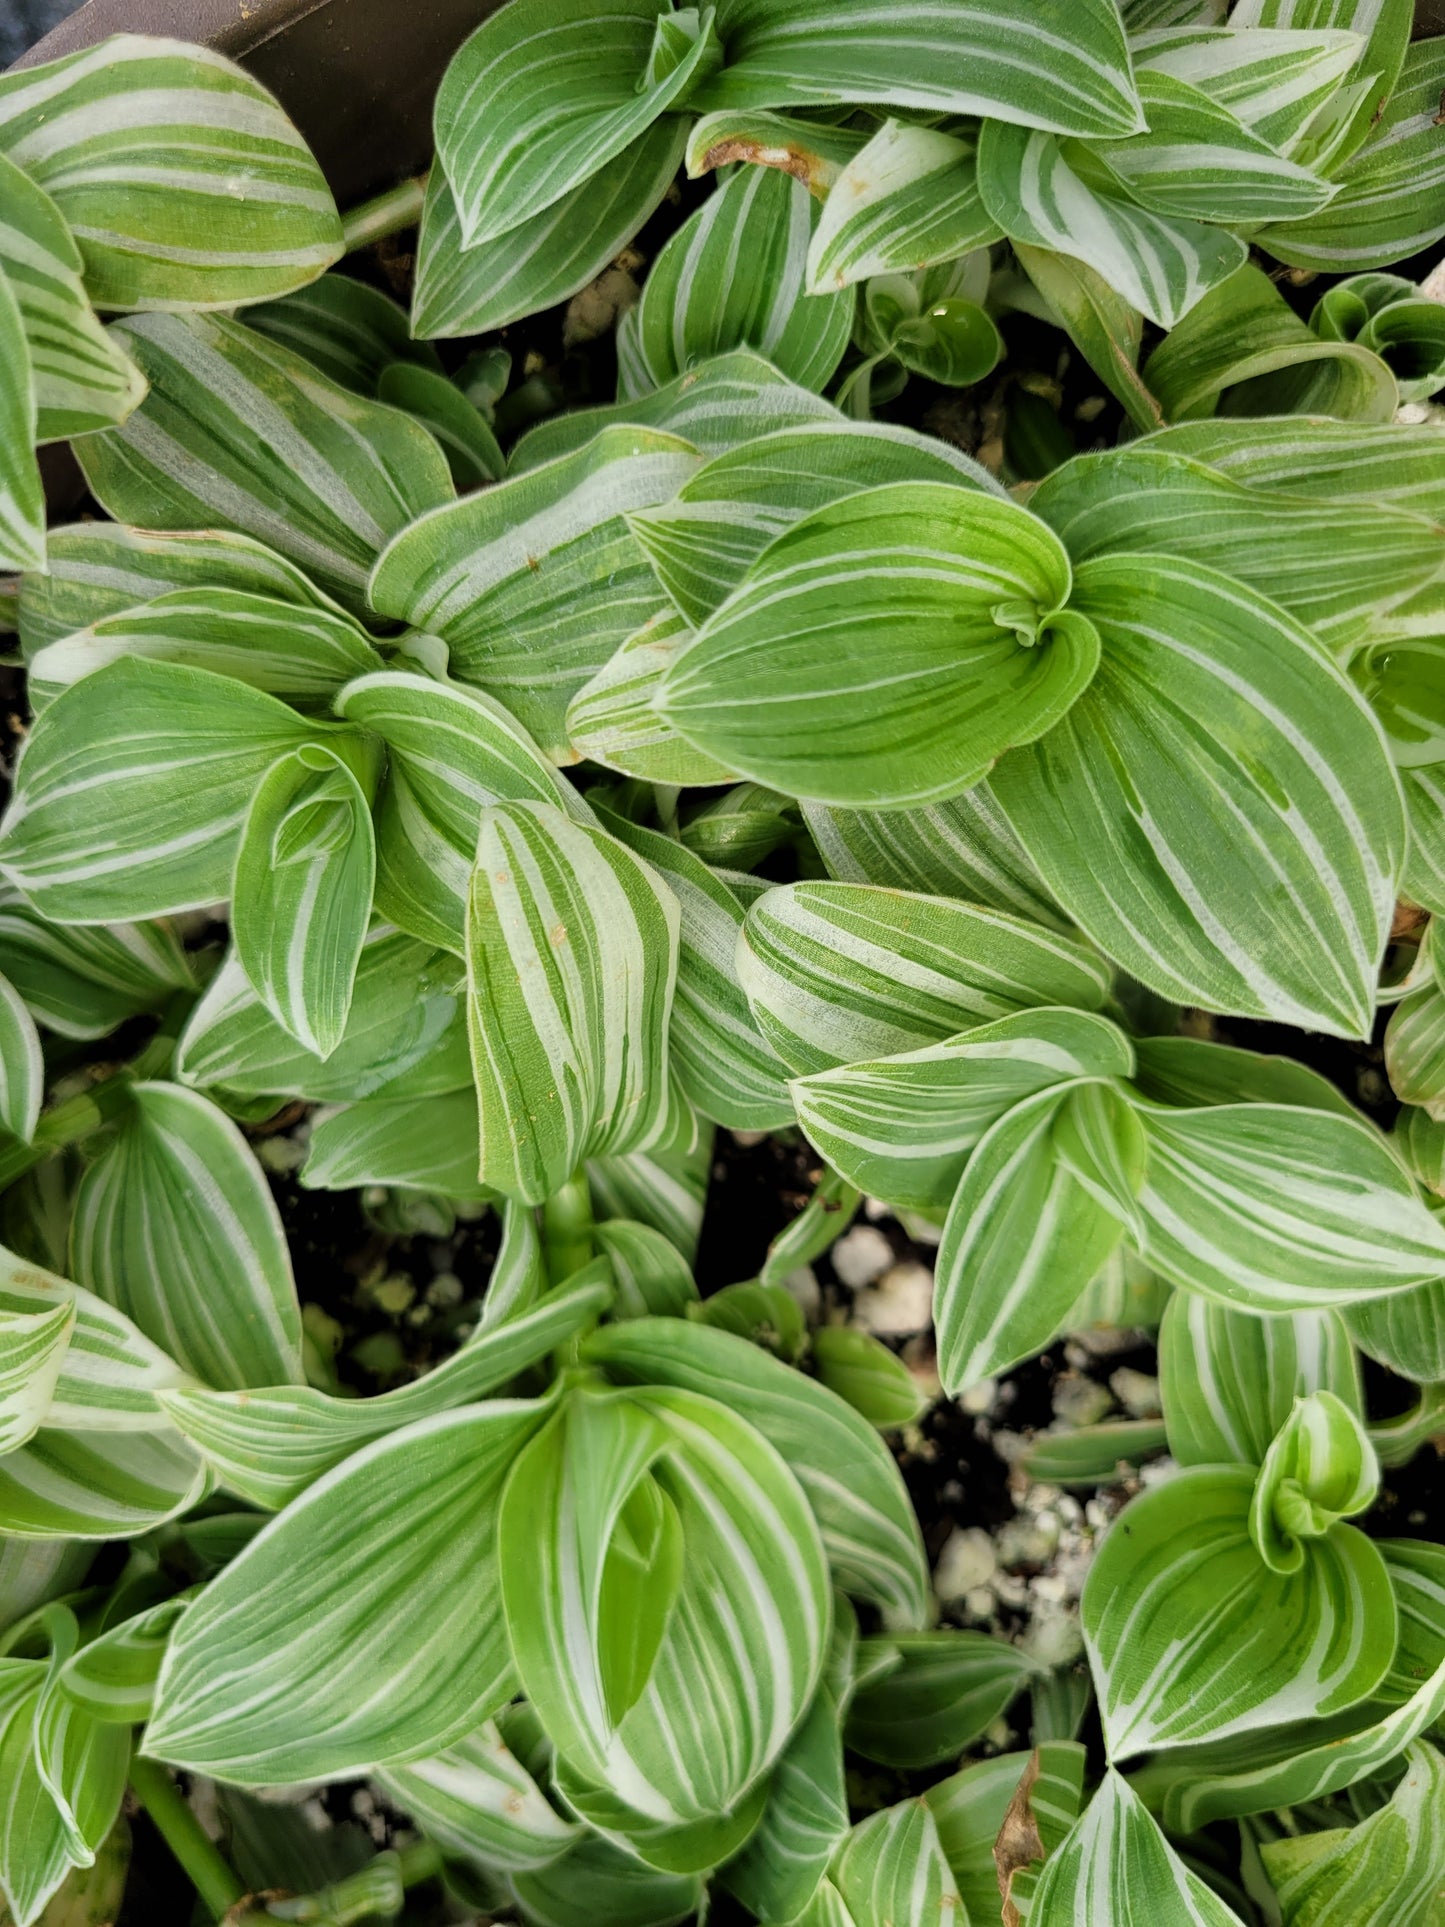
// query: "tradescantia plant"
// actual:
[[853, 734]]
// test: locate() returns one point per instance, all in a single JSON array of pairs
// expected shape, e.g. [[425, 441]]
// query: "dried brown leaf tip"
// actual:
[[1019, 1843]]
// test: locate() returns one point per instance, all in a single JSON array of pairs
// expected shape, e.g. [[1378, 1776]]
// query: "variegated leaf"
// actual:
[[472, 451], [726, 401], [909, 199], [804, 1822], [598, 1878], [270, 1446], [902, 1127], [1205, 691], [1193, 1637], [1388, 200], [33, 1345], [703, 542], [1161, 263], [98, 1485], [22, 499], [1330, 461], [406, 1033], [83, 378], [666, 1597], [430, 1143], [529, 109], [571, 966], [927, 1697], [241, 432], [301, 896], [1107, 331], [1276, 1209], [175, 1225], [349, 330], [1117, 1865], [301, 655], [918, 55], [534, 584], [814, 152], [841, 972], [112, 1678], [176, 752], [611, 719], [963, 594], [891, 1867], [181, 178], [379, 1584], [856, 1494], [970, 1808], [478, 1801], [546, 259], [735, 276], [1276, 79], [1228, 1379], [22, 1067]]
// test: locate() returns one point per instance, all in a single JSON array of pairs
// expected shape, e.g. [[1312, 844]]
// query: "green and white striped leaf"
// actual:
[[533, 584], [814, 152], [362, 1626], [679, 1697], [1100, 322], [1331, 461], [1276, 79], [926, 1697], [1192, 1637], [1291, 1764], [181, 178], [571, 966], [175, 752], [430, 1143], [99, 569], [734, 275], [1161, 263], [816, 1229], [962, 848], [1271, 1208], [1066, 66], [450, 750], [740, 829], [1417, 1572], [1022, 1240], [1388, 200], [727, 401], [1415, 1049], [1384, 28], [22, 1067], [545, 259], [1243, 350], [664, 1189], [803, 1823], [1403, 680], [98, 1485], [1313, 558], [349, 330], [929, 324], [1389, 315], [109, 1373], [598, 1880], [867, 1376], [175, 1226], [891, 1868], [1191, 1071], [1206, 691], [270, 1446], [112, 1678], [1405, 1331], [472, 451], [1320, 1468], [478, 1801], [529, 109], [909, 199], [83, 378], [1200, 161], [1117, 1865], [837, 973], [902, 1128], [1423, 877], [852, 1484], [703, 542], [33, 1345], [693, 1846], [240, 432], [726, 1067], [785, 684], [969, 1810], [1389, 1867], [301, 898], [22, 499], [652, 1277], [406, 1033], [611, 719], [301, 655], [1229, 1380]]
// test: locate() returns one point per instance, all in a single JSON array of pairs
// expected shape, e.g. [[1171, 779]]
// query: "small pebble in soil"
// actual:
[[807, 1294], [967, 1562], [1137, 1392], [861, 1256], [900, 1304], [1079, 1400]]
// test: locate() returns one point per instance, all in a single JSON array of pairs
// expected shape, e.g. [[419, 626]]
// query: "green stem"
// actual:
[[386, 214], [567, 1229], [211, 1875], [1399, 1439], [76, 1118]]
